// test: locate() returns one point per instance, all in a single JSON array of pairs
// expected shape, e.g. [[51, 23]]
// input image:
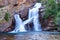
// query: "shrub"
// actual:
[[7, 16], [51, 9]]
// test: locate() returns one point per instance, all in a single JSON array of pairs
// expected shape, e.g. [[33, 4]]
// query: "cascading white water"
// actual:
[[34, 13], [19, 24], [19, 27], [32, 17]]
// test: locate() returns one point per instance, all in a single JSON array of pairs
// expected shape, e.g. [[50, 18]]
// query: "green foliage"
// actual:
[[51, 9], [58, 6], [7, 16], [43, 1], [57, 18]]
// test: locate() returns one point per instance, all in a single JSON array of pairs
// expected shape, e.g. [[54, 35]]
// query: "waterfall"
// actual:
[[33, 16], [34, 13], [19, 27]]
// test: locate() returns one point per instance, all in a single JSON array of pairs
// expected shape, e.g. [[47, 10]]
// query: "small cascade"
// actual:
[[34, 13], [19, 27]]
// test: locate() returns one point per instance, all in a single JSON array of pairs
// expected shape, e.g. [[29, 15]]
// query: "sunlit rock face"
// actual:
[[1, 3], [6, 2]]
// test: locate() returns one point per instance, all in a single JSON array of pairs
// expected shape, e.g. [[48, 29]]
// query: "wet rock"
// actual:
[[50, 25], [4, 25], [11, 27], [24, 14]]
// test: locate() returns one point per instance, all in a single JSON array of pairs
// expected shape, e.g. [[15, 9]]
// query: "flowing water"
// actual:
[[34, 13], [19, 27], [32, 17]]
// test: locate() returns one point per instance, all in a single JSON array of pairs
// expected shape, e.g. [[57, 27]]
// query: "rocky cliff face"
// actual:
[[1, 3], [7, 2], [10, 6]]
